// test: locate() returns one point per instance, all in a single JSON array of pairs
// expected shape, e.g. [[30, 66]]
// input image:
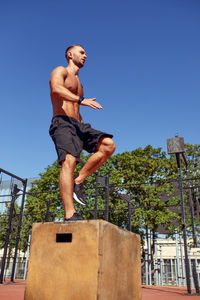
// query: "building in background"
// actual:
[[168, 265]]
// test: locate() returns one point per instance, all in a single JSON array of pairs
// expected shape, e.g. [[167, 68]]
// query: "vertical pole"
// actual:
[[129, 217], [159, 280], [146, 266], [190, 266], [170, 269], [176, 270], [7, 237], [198, 277], [96, 195], [156, 262], [193, 270], [149, 252], [161, 265], [187, 270], [182, 263], [197, 203], [17, 265], [177, 260], [47, 211], [192, 216], [27, 256], [18, 231], [107, 198], [195, 276]]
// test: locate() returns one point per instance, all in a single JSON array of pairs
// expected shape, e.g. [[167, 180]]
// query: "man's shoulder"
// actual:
[[60, 69]]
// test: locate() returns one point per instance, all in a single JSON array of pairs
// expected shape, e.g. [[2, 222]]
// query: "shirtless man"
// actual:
[[70, 134]]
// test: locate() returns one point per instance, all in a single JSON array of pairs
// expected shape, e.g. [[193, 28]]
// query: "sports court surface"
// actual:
[[15, 291]]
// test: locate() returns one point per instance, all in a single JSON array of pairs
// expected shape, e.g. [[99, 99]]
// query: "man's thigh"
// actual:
[[92, 138]]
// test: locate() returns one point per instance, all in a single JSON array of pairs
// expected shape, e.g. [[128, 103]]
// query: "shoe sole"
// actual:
[[77, 199]]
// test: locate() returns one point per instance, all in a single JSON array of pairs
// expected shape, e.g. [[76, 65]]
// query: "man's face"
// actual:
[[78, 56]]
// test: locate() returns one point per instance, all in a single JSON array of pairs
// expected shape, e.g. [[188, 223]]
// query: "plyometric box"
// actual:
[[84, 260]]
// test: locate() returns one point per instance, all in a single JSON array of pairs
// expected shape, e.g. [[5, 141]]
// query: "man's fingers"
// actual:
[[92, 103], [97, 105]]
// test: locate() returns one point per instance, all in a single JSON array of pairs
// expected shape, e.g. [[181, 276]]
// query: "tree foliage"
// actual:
[[147, 175]]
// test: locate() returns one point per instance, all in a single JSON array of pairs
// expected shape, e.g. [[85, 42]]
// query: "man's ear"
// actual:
[[70, 55]]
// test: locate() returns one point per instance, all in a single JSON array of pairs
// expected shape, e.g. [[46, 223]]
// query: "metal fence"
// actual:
[[155, 270], [166, 272]]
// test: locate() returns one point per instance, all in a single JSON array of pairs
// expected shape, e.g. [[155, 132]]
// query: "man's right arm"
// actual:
[[59, 90]]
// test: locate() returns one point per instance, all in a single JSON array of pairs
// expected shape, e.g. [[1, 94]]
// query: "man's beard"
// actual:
[[78, 63]]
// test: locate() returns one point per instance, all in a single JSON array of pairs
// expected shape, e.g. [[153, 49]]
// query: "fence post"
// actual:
[[177, 260], [161, 270], [129, 217], [182, 263], [14, 196], [156, 262], [47, 211], [18, 231], [190, 266], [198, 273], [197, 203], [96, 195], [176, 270], [187, 269], [27, 255], [149, 252], [146, 266], [107, 197]]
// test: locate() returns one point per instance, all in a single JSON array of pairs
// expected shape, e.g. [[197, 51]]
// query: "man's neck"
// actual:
[[72, 68]]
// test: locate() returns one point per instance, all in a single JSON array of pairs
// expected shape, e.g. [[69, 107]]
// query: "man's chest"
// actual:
[[73, 84]]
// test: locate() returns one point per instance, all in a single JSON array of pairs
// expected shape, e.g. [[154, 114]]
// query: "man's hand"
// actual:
[[91, 103]]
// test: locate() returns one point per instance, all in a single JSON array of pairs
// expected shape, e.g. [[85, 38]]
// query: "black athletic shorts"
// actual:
[[71, 136]]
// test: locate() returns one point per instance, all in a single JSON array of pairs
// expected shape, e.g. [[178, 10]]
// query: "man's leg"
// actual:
[[105, 149], [66, 183]]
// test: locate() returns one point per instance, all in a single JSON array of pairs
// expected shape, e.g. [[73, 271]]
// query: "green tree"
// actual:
[[143, 174], [139, 170]]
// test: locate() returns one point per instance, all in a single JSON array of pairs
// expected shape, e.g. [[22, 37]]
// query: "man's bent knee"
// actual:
[[106, 145], [111, 147]]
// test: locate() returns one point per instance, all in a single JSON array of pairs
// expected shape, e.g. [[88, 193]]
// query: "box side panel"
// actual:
[[63, 270], [120, 264]]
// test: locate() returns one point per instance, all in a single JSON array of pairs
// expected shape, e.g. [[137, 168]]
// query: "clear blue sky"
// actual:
[[143, 66]]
